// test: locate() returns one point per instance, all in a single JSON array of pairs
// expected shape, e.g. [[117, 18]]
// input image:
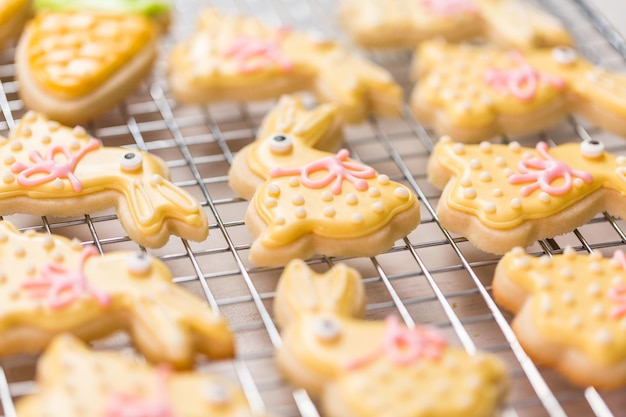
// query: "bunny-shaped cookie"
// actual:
[[309, 201], [473, 93], [364, 368], [239, 58], [501, 196]]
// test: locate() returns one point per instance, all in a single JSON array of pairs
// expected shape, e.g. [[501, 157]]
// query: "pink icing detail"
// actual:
[[521, 81], [53, 168], [253, 54], [338, 168], [62, 287], [542, 171], [129, 405], [404, 346], [617, 294], [449, 8]]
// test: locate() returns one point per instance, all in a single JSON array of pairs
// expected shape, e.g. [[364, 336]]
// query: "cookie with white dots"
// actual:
[[363, 368], [570, 312], [501, 196], [50, 169], [50, 285], [305, 201], [75, 381], [475, 92]]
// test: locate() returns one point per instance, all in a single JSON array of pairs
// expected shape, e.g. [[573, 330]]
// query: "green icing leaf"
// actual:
[[146, 7]]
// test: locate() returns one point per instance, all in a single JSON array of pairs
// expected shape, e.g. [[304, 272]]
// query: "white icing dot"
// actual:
[[516, 203], [156, 179], [27, 131], [596, 255], [592, 149], [374, 192], [518, 251], [489, 207], [30, 116], [274, 190], [475, 164], [4, 237], [9, 159], [546, 305], [497, 192], [300, 212], [465, 106], [484, 176], [53, 126], [279, 220], [485, 99], [621, 160], [20, 251], [575, 322], [327, 196], [458, 148], [401, 192], [568, 298], [294, 181], [58, 256], [139, 263], [545, 261], [445, 139], [544, 282], [329, 211], [507, 172], [603, 336], [48, 242], [522, 263], [352, 199], [500, 161], [527, 155], [595, 267], [578, 182], [544, 197], [131, 161], [597, 310], [378, 207], [383, 179], [515, 146], [569, 252], [7, 177], [469, 193], [58, 183], [270, 202], [466, 182], [566, 273], [617, 280], [16, 145], [564, 55], [297, 199], [357, 218], [74, 145], [46, 139], [593, 289], [79, 132], [485, 147], [216, 394]]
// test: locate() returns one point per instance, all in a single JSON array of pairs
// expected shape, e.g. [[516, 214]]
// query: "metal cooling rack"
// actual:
[[429, 277]]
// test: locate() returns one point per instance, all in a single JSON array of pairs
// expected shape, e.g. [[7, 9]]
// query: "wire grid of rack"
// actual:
[[430, 276]]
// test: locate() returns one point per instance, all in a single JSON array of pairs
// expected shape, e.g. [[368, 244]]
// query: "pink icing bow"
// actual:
[[53, 168], [404, 346], [338, 169], [62, 287], [252, 54], [449, 7], [522, 80], [617, 294], [542, 171]]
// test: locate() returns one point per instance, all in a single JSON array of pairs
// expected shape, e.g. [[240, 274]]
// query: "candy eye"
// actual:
[[327, 329], [131, 161], [564, 55], [280, 144], [139, 263], [592, 148]]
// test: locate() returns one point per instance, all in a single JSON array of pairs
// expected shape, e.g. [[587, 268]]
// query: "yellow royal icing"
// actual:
[[8, 9], [576, 300], [72, 53], [482, 179]]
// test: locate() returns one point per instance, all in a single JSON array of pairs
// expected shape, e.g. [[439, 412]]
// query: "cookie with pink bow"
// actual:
[[305, 201], [570, 312], [363, 368], [475, 92], [501, 196], [75, 381], [239, 58], [406, 23], [50, 285]]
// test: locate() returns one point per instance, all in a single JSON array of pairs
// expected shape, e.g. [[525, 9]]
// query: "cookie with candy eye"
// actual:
[[238, 58], [502, 196], [50, 169], [78, 59], [54, 286], [406, 23], [474, 92], [74, 381], [570, 312]]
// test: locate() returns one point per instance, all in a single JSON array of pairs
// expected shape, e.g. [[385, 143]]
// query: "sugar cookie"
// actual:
[[309, 201], [406, 23], [473, 93], [502, 196], [238, 58], [50, 169], [51, 285], [570, 312], [13, 16], [74, 381], [360, 368], [74, 65]]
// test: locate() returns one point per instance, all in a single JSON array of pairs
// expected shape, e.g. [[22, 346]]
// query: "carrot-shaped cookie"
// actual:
[[406, 23], [77, 60], [309, 201], [74, 381], [13, 16], [239, 58], [502, 196], [473, 93], [570, 312], [51, 285], [360, 368], [50, 169]]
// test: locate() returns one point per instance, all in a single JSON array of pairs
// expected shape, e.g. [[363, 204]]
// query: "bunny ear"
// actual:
[[345, 291]]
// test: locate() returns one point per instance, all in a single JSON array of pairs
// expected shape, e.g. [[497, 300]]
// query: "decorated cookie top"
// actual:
[[48, 163], [145, 7], [73, 53], [505, 185], [85, 383], [576, 299], [55, 285]]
